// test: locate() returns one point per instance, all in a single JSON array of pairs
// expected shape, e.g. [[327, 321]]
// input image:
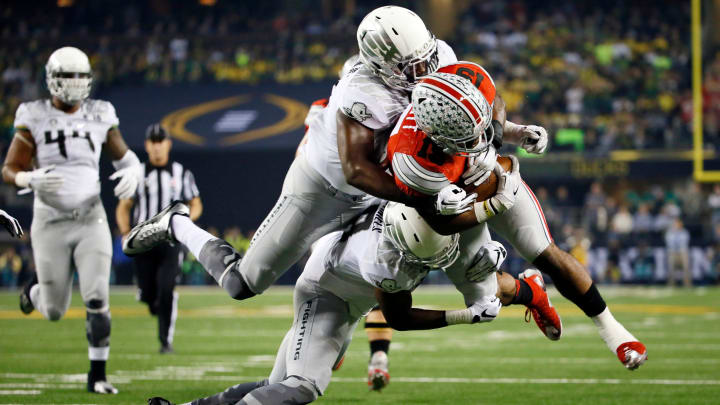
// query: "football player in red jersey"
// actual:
[[427, 149]]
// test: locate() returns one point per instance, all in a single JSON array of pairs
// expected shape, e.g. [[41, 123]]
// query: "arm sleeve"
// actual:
[[410, 173]]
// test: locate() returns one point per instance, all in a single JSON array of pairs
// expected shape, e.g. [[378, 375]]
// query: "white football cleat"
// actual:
[[102, 387], [156, 230], [378, 374]]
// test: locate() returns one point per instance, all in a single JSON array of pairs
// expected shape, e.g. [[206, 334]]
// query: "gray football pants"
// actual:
[[308, 208], [61, 240], [321, 332]]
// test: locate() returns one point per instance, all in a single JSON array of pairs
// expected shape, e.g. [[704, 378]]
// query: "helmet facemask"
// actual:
[[70, 87], [453, 113], [399, 56], [68, 75]]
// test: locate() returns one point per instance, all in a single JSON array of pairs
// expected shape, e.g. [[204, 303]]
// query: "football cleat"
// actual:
[[158, 401], [632, 354], [167, 349], [378, 374], [545, 315], [156, 230], [101, 387], [339, 364], [26, 305]]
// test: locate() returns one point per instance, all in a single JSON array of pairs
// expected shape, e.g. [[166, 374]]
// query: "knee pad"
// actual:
[[97, 323], [54, 313], [217, 256], [235, 286], [292, 390]]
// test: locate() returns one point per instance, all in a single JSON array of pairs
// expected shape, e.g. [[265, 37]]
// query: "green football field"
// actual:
[[220, 342]]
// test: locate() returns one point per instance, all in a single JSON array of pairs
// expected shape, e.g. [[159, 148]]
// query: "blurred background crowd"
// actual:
[[600, 76]]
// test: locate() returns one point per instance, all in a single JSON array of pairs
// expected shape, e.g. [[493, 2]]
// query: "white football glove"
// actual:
[[44, 179], [508, 186], [487, 261], [129, 180], [453, 200], [479, 167], [486, 309], [11, 224], [534, 139], [504, 198]]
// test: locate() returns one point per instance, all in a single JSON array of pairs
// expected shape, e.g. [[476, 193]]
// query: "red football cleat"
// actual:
[[378, 372], [545, 315], [339, 364], [632, 354]]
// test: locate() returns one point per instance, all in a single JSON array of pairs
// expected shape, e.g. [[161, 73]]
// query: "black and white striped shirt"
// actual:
[[161, 186]]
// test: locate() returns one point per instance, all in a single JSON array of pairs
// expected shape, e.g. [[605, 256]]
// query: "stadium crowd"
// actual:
[[618, 73]]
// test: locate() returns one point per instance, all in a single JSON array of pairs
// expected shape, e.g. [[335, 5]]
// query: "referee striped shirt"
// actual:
[[161, 186]]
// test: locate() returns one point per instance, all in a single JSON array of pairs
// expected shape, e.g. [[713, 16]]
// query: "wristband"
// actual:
[[128, 159], [498, 130], [484, 210], [458, 316], [22, 179]]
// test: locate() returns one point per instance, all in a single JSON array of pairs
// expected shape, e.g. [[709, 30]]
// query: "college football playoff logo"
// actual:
[[358, 111]]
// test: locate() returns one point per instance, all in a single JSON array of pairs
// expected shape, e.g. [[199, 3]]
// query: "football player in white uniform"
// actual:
[[63, 136], [326, 185], [316, 197], [380, 258]]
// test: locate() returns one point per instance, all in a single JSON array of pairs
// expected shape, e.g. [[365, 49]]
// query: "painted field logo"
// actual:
[[235, 121], [237, 124]]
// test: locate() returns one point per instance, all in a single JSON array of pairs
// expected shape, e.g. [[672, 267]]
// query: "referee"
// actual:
[[164, 181]]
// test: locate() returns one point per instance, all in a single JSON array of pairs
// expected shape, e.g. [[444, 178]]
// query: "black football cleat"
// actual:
[[156, 230], [26, 305]]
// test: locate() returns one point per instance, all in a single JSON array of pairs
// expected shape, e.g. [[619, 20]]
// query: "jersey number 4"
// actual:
[[60, 140]]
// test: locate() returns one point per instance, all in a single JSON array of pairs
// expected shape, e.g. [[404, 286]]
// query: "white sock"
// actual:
[[98, 353], [189, 234], [612, 331], [35, 295]]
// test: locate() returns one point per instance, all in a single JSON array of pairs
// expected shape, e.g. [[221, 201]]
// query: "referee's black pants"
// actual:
[[157, 272]]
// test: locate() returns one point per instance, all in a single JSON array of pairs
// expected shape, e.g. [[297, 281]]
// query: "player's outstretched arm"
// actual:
[[400, 315], [356, 150], [127, 165]]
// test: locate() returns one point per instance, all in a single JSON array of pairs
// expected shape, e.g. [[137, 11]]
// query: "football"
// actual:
[[486, 189]]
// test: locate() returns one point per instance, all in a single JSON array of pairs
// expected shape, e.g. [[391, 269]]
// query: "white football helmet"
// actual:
[[417, 242], [395, 45], [349, 64], [453, 113], [68, 75]]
